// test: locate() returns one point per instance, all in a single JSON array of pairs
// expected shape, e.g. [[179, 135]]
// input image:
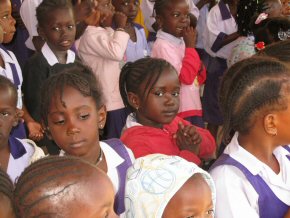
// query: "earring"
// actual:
[[137, 108], [274, 133], [101, 126]]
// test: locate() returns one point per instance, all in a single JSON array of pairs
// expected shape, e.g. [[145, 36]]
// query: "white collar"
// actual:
[[131, 121], [166, 36], [113, 159], [6, 57], [51, 58]]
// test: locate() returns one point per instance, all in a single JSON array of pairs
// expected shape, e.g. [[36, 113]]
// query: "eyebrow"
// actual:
[[76, 109]]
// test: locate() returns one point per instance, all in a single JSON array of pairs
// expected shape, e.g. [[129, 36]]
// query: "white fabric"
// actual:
[[147, 6], [236, 197], [52, 59], [153, 180], [215, 25], [7, 72], [17, 166], [28, 15]]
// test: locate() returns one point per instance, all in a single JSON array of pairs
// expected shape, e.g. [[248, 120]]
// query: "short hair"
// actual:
[[5, 85], [46, 6], [143, 70], [77, 76], [51, 173], [6, 185], [256, 83]]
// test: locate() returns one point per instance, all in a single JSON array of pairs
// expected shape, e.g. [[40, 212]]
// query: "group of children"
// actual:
[[100, 102]]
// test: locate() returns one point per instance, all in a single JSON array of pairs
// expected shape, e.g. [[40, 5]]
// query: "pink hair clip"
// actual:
[[261, 17]]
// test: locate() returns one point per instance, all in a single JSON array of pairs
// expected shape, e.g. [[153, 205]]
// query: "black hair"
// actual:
[[256, 84], [56, 174], [143, 70], [6, 186], [77, 76], [160, 5], [46, 6], [6, 84]]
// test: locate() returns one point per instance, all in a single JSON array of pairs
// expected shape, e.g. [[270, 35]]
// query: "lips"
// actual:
[[65, 43], [77, 144], [170, 113]]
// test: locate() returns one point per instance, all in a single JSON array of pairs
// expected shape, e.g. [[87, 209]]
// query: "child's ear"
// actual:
[[41, 33], [159, 22], [270, 124], [133, 100], [102, 115]]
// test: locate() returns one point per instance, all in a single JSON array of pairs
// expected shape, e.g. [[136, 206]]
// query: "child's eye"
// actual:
[[70, 26], [59, 122], [159, 93], [210, 212], [176, 15], [84, 116], [126, 3], [175, 94], [56, 29], [4, 114]]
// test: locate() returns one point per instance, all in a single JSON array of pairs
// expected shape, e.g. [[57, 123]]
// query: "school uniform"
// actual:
[[22, 153], [37, 69], [103, 49], [247, 187], [139, 49], [28, 15], [220, 23], [190, 71]]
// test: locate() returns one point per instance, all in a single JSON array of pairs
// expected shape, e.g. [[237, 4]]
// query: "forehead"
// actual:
[[59, 14], [5, 6], [174, 4], [7, 97]]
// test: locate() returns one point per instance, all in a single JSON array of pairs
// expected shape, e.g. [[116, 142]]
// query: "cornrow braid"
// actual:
[[134, 74], [46, 6], [75, 75], [159, 6], [255, 84], [6, 186], [6, 84], [46, 179]]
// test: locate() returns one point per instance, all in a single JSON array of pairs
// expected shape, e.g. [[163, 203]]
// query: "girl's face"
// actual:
[[175, 18], [107, 10], [73, 122], [6, 210], [128, 7], [162, 103], [273, 8], [193, 199], [59, 29], [8, 115], [7, 22]]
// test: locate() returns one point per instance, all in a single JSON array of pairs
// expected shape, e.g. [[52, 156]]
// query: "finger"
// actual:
[[180, 125]]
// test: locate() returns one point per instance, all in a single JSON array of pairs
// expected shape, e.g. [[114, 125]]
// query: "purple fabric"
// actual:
[[118, 146], [270, 206], [17, 150], [217, 45], [226, 14], [196, 121]]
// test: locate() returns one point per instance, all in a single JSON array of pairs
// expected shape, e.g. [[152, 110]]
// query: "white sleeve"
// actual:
[[193, 9], [146, 7], [236, 197]]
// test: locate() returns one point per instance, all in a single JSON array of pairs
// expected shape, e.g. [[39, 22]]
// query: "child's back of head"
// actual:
[[6, 196], [64, 187], [163, 186]]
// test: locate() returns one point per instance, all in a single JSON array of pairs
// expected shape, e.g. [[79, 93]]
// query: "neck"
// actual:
[[61, 56], [4, 145], [92, 155], [145, 122]]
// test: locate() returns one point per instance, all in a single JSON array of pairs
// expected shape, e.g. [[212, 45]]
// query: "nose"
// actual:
[[12, 20], [72, 129], [169, 99]]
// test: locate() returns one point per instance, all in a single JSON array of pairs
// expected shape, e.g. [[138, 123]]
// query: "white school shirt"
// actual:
[[219, 23], [147, 6], [28, 16], [236, 197], [7, 72], [52, 59]]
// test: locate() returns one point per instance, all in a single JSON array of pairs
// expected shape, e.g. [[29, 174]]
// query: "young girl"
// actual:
[[15, 154], [73, 111], [137, 45], [56, 26], [64, 187], [150, 89], [173, 18], [6, 196], [219, 37], [168, 187], [252, 175], [103, 49]]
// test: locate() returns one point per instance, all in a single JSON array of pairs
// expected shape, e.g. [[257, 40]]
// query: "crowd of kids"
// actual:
[[102, 117]]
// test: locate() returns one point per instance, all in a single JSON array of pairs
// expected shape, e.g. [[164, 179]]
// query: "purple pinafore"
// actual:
[[270, 206]]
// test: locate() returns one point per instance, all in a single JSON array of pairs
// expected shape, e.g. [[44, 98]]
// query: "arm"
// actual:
[[207, 147]]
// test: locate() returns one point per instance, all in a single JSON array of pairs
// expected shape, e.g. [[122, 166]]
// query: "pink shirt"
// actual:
[[187, 63], [103, 50]]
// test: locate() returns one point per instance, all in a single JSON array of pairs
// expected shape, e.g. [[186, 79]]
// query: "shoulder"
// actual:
[[138, 26], [32, 149]]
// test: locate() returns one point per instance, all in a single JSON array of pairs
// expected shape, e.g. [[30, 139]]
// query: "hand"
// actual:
[[35, 130], [93, 19], [83, 9], [187, 138], [120, 19], [189, 37]]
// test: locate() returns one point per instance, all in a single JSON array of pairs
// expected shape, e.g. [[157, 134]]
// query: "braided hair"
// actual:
[[46, 6], [6, 186], [144, 70], [256, 86], [75, 75], [6, 84], [49, 180]]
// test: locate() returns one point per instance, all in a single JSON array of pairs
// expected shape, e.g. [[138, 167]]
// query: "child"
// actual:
[[64, 187], [73, 111], [15, 154], [137, 45], [252, 175], [273, 7], [56, 26], [150, 89], [169, 187], [219, 37], [174, 20], [6, 196], [103, 49]]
